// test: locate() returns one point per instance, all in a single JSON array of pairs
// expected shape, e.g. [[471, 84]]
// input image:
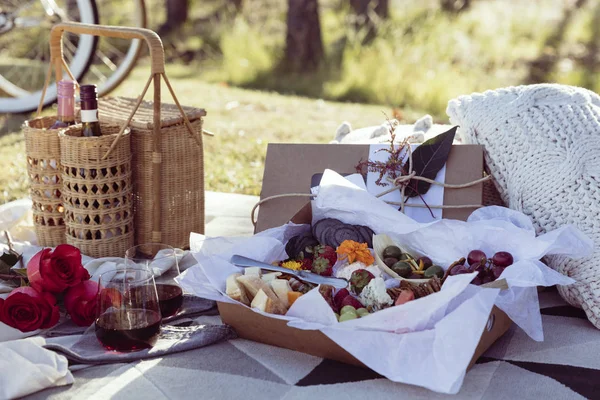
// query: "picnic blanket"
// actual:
[[564, 366]]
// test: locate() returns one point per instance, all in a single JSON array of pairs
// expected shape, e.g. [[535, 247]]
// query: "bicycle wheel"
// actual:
[[102, 61], [24, 54], [114, 58]]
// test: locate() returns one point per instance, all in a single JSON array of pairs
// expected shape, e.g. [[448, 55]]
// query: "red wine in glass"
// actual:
[[170, 299], [128, 330]]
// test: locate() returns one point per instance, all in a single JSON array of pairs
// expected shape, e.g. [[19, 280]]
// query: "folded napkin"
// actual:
[[192, 306], [26, 367], [173, 339]]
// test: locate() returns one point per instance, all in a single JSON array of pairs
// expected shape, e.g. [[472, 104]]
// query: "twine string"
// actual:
[[401, 183]]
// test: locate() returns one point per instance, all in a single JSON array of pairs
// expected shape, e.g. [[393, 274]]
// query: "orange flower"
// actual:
[[355, 251]]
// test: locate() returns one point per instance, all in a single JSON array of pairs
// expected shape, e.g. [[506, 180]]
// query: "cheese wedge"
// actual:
[[268, 277], [281, 287], [235, 290], [253, 271], [253, 284]]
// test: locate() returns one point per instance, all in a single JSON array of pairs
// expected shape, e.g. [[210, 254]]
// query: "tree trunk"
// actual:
[[303, 44], [177, 14], [367, 13]]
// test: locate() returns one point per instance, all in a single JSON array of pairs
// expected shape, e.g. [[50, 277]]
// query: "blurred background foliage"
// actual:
[[398, 53], [293, 70]]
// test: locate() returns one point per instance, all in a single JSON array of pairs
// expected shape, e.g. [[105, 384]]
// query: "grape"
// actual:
[[502, 259], [476, 256], [497, 271], [459, 269], [426, 262]]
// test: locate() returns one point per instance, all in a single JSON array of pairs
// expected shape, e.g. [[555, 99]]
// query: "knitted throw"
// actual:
[[542, 146]]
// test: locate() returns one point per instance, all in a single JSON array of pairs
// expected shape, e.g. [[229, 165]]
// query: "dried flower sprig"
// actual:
[[393, 167]]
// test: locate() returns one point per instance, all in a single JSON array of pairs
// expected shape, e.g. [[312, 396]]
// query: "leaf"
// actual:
[[20, 271], [428, 159], [11, 258], [4, 268]]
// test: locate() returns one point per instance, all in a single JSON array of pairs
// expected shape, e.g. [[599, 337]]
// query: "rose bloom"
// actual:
[[54, 271], [81, 302], [26, 309]]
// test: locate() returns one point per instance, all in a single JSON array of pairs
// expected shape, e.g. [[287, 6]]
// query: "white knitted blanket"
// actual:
[[542, 146]]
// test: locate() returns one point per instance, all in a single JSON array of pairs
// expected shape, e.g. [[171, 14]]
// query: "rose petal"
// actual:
[[83, 291], [51, 281], [33, 269]]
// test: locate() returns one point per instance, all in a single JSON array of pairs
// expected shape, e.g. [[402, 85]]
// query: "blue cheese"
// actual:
[[375, 295]]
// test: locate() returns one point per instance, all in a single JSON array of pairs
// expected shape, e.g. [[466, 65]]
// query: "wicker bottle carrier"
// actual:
[[43, 167], [167, 168], [97, 191]]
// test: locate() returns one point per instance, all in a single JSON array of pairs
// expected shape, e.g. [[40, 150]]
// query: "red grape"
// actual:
[[502, 259], [476, 256], [459, 269], [477, 281], [497, 271]]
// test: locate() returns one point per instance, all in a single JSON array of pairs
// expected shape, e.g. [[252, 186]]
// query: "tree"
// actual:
[[177, 14], [303, 43], [367, 14], [455, 6]]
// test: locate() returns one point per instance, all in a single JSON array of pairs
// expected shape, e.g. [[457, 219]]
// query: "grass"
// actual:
[[420, 59], [243, 121]]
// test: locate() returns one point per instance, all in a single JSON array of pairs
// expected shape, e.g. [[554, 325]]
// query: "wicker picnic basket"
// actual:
[[166, 151], [180, 204], [97, 191], [43, 168]]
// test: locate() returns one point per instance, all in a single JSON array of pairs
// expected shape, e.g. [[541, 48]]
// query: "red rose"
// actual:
[[26, 309], [81, 302], [54, 271]]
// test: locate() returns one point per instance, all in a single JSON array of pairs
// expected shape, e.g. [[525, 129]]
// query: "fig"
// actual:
[[392, 252], [426, 262], [359, 279]]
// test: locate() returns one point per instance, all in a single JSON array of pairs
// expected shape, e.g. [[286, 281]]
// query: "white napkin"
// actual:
[[27, 367]]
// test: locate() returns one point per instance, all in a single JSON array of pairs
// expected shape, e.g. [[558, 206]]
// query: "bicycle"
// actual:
[[24, 53]]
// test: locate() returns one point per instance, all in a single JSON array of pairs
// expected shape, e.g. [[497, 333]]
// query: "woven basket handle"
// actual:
[[157, 57]]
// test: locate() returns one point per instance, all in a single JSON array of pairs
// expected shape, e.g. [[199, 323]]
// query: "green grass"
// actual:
[[420, 59], [243, 121]]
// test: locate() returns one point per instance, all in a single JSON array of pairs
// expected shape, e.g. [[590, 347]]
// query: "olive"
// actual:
[[392, 252], [434, 270], [402, 268], [426, 262], [390, 261]]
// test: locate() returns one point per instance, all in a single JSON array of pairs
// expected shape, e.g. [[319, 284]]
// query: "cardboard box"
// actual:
[[259, 328], [289, 168]]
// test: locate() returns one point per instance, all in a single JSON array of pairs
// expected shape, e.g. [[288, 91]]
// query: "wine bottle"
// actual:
[[66, 105], [89, 110]]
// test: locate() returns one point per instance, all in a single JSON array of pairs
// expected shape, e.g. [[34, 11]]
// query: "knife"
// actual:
[[338, 283]]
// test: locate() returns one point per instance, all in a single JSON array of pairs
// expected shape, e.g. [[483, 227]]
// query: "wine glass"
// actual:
[[161, 259], [129, 313]]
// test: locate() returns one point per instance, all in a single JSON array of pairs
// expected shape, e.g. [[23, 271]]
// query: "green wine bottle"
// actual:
[[89, 110]]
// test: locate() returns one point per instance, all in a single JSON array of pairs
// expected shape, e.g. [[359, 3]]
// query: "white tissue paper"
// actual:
[[432, 336], [27, 367]]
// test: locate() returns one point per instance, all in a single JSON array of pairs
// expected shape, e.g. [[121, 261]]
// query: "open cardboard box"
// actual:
[[289, 169], [259, 328]]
